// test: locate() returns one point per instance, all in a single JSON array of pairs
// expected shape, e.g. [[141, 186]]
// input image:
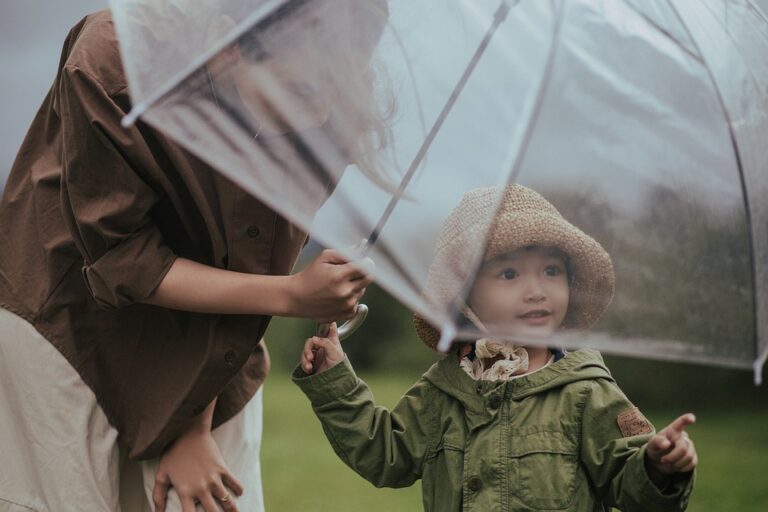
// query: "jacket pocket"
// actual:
[[543, 467], [441, 482]]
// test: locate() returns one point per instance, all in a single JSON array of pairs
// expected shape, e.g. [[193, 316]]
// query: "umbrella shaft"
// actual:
[[498, 19]]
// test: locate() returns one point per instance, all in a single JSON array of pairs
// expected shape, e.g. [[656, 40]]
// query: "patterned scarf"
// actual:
[[515, 360]]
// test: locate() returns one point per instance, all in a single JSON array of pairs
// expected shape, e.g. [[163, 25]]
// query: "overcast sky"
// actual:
[[31, 36]]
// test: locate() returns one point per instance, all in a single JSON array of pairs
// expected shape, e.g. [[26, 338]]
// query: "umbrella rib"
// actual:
[[666, 33], [758, 10], [740, 167], [736, 46], [498, 19], [412, 76]]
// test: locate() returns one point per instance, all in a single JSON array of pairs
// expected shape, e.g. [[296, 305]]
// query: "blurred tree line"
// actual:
[[683, 272]]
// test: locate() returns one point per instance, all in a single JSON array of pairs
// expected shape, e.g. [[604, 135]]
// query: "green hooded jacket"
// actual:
[[551, 440]]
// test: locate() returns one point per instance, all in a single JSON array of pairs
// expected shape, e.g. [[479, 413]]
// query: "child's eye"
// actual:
[[508, 274], [553, 270]]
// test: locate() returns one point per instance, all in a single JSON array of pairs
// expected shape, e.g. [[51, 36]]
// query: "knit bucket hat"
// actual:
[[521, 218]]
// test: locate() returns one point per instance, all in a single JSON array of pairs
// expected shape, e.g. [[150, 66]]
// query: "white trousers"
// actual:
[[58, 452]]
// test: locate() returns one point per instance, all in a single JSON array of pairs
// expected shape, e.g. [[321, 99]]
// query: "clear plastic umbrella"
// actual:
[[367, 121]]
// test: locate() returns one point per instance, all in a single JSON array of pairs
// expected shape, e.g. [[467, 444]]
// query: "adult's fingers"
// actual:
[[223, 498], [208, 503], [365, 266], [359, 279], [358, 270], [187, 503], [232, 483], [333, 256], [360, 284], [357, 296], [160, 492]]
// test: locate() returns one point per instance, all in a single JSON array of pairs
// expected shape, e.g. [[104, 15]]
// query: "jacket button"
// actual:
[[253, 231], [495, 402], [230, 356], [474, 484]]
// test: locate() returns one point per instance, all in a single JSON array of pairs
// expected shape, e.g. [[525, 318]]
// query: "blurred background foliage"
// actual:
[[387, 344], [683, 267]]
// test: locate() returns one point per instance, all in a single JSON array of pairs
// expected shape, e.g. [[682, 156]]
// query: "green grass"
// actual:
[[301, 472]]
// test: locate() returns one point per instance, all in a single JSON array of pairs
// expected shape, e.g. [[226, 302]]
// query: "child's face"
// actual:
[[524, 292]]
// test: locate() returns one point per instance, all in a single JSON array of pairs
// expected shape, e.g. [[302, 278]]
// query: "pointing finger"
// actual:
[[674, 429]]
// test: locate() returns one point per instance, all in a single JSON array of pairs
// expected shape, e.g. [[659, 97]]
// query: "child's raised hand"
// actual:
[[671, 450], [320, 353]]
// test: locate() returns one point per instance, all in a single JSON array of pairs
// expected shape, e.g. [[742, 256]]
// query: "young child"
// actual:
[[493, 426]]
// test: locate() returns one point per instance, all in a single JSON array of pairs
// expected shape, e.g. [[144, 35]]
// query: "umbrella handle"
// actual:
[[347, 328]]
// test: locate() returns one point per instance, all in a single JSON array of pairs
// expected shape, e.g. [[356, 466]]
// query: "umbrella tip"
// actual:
[[758, 370], [447, 335], [131, 117]]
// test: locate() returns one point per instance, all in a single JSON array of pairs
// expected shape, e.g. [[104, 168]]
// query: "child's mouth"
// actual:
[[536, 313], [536, 317]]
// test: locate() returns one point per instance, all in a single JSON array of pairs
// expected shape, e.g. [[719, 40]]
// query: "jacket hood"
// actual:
[[448, 377]]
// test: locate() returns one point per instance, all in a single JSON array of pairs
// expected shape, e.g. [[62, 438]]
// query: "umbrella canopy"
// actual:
[[642, 122]]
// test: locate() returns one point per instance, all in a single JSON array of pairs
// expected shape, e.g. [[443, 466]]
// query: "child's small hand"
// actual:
[[320, 353], [671, 450]]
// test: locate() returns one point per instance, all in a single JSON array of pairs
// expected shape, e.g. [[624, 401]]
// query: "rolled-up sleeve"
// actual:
[[106, 195]]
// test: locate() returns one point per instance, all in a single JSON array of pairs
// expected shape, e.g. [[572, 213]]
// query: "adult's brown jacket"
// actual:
[[92, 218]]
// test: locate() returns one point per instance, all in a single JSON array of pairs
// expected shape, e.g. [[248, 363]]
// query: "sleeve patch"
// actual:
[[633, 423]]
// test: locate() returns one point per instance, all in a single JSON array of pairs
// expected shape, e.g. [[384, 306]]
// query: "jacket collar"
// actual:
[[479, 397]]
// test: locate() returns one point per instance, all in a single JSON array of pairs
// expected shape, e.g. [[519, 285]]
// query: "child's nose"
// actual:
[[534, 291]]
